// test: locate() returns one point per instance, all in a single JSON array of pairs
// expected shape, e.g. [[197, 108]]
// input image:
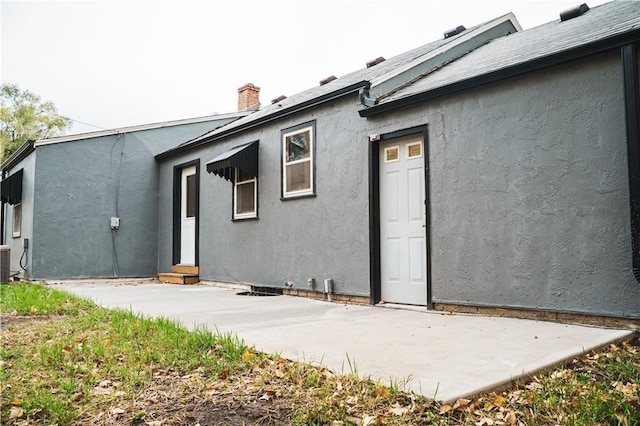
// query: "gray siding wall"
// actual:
[[529, 191], [16, 244], [321, 237], [81, 184]]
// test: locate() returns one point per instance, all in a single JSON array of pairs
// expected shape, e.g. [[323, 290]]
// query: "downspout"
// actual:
[[632, 103], [365, 100]]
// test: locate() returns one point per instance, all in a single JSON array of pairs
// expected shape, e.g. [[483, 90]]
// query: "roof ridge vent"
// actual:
[[375, 61], [573, 12], [454, 31], [278, 99], [327, 80]]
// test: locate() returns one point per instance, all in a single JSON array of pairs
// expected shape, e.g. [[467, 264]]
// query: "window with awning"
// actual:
[[243, 157], [240, 166], [11, 188]]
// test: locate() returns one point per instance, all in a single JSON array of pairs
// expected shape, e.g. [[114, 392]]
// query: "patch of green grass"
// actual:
[[89, 365], [598, 388], [37, 299], [50, 370], [399, 385]]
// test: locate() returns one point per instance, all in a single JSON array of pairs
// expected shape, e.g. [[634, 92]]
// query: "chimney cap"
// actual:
[[375, 61], [248, 86]]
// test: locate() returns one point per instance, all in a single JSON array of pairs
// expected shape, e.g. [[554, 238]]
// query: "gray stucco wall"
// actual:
[[16, 244], [529, 191], [321, 237], [81, 184]]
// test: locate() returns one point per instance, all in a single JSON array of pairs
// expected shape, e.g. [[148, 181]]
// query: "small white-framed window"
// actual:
[[414, 150], [17, 220], [392, 154], [245, 195], [298, 161]]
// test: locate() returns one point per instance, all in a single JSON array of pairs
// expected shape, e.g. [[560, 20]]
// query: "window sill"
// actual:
[[242, 219], [297, 197]]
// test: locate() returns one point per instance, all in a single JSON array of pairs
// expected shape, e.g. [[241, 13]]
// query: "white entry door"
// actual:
[[403, 261], [188, 217]]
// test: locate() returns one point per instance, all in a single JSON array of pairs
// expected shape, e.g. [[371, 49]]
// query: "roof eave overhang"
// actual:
[[537, 64], [20, 154], [328, 97], [139, 128]]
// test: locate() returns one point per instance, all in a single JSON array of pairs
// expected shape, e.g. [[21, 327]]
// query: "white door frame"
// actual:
[[188, 215], [185, 235], [419, 133]]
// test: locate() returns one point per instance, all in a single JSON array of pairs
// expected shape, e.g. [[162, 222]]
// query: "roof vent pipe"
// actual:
[[573, 12], [278, 99], [454, 31], [327, 80], [375, 61]]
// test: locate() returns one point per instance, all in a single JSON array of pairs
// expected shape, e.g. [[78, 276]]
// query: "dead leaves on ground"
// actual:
[[583, 391], [488, 410], [273, 390]]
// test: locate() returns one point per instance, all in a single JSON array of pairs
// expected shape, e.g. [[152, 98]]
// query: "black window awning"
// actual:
[[11, 188], [243, 157]]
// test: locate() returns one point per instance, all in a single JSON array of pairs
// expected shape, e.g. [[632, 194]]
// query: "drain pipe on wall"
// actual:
[[632, 107]]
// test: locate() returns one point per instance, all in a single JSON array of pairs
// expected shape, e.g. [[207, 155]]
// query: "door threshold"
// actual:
[[419, 308]]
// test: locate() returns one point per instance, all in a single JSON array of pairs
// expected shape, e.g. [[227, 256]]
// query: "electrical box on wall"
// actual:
[[115, 222]]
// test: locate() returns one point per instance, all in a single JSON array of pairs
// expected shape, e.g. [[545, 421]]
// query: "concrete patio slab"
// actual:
[[438, 355]]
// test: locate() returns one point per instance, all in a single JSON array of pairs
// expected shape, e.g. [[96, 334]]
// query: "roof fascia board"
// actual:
[[142, 127], [353, 88], [505, 73], [20, 154], [463, 44]]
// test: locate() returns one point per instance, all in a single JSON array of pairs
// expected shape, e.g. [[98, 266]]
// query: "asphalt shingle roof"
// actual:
[[598, 23], [364, 74], [335, 85]]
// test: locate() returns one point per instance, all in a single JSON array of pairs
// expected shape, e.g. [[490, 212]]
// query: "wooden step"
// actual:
[[185, 269], [177, 278]]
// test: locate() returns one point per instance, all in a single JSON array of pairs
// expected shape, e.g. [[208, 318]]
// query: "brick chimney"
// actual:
[[248, 97]]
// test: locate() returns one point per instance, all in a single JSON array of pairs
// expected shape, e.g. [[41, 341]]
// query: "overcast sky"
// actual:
[[121, 63]]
